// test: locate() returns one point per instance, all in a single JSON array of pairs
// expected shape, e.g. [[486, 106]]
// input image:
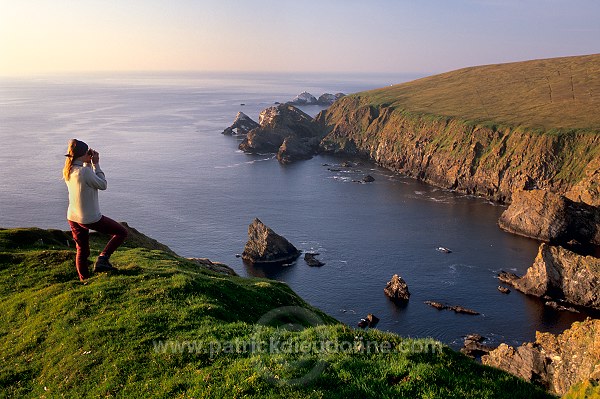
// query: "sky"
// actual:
[[385, 36]]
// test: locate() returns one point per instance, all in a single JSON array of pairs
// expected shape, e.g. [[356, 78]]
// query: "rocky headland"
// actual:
[[285, 130], [556, 362], [450, 131], [560, 274]]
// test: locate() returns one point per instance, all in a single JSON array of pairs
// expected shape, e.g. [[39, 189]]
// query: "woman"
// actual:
[[84, 178]]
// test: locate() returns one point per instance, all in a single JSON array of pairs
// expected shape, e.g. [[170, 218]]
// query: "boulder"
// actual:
[[396, 289], [312, 261], [551, 217], [560, 274], [278, 123], [266, 246], [555, 362], [241, 125]]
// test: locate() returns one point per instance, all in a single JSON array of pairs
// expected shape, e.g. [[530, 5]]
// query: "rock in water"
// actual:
[[304, 98], [266, 246], [311, 260], [370, 321], [555, 362], [551, 217], [368, 179], [503, 290], [561, 274], [241, 125], [328, 98], [278, 124], [396, 289]]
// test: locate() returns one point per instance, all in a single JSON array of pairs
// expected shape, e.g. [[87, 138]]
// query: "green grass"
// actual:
[[551, 95], [62, 338]]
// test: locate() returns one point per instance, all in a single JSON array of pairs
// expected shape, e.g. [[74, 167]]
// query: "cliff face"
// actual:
[[552, 218], [561, 274], [554, 361], [473, 158]]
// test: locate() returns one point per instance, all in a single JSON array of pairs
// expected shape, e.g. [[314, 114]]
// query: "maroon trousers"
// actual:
[[81, 235]]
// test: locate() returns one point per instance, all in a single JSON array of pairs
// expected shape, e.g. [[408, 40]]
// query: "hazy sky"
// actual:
[[43, 36]]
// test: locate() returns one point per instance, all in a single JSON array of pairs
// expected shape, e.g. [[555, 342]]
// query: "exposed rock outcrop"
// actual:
[[312, 261], [278, 124], [555, 362], [324, 99], [560, 274], [295, 149], [396, 289], [214, 266], [455, 308], [266, 246], [304, 98], [551, 217], [474, 347], [328, 99], [370, 321], [241, 125]]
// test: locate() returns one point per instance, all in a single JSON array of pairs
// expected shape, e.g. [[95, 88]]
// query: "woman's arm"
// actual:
[[94, 177]]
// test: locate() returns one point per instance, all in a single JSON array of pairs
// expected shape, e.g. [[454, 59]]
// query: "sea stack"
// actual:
[[396, 289], [265, 246]]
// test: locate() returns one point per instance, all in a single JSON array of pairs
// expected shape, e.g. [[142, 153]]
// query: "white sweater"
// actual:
[[83, 185]]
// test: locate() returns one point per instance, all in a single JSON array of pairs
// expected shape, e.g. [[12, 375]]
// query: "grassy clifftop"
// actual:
[[549, 94], [488, 130], [165, 327]]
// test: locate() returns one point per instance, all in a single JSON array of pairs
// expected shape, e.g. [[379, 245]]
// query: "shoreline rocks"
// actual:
[[473, 346], [560, 274], [555, 362], [370, 321], [397, 289], [264, 246]]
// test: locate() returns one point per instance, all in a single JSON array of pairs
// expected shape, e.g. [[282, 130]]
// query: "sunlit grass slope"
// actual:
[[548, 94], [61, 338]]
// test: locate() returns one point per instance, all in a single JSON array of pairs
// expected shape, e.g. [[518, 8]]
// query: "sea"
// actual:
[[173, 175]]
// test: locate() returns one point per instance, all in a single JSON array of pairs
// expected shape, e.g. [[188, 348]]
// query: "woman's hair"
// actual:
[[71, 156]]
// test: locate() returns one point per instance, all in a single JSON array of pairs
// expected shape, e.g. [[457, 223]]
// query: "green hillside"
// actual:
[[557, 93], [164, 327]]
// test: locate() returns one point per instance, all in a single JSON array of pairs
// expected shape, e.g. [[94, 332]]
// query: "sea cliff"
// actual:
[[487, 130]]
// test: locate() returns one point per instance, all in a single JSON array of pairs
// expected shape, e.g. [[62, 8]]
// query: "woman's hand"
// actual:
[[95, 157]]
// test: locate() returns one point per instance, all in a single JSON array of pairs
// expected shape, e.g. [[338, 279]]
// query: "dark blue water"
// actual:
[[173, 176]]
